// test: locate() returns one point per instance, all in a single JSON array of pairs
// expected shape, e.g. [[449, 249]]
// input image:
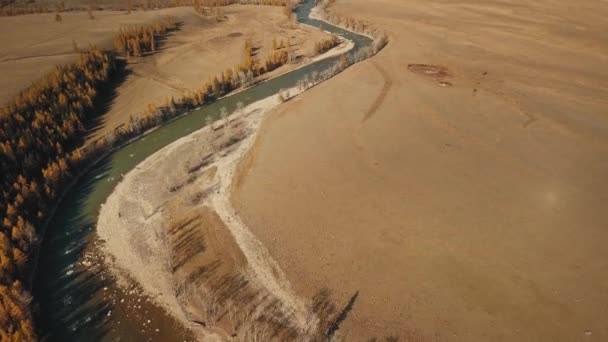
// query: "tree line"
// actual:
[[13, 9], [326, 44], [39, 129], [380, 38], [239, 76], [215, 3], [136, 40], [200, 5]]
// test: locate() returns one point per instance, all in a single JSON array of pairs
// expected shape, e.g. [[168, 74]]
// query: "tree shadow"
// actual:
[[335, 324], [69, 305], [160, 41], [105, 99]]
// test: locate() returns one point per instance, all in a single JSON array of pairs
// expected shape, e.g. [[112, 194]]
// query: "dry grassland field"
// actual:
[[452, 187], [463, 203], [32, 45]]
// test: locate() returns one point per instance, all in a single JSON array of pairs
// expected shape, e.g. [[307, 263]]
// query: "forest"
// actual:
[[136, 40], [39, 130]]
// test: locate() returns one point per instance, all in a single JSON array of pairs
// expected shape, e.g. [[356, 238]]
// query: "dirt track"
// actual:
[[388, 83]]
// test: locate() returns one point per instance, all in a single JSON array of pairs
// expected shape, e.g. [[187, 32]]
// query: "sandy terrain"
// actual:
[[33, 44], [471, 212], [203, 48]]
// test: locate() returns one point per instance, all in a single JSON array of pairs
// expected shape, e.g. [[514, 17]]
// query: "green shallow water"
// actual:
[[77, 299]]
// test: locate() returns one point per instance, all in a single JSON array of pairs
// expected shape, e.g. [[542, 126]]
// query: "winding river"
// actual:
[[77, 299]]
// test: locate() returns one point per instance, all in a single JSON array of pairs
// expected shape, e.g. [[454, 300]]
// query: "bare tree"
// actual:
[[315, 77], [212, 305], [208, 120], [242, 78], [249, 77], [223, 113], [379, 42], [235, 316], [224, 117], [284, 95]]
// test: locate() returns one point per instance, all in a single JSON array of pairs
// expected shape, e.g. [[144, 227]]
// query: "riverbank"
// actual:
[[134, 221], [343, 47], [468, 212], [145, 198], [80, 302]]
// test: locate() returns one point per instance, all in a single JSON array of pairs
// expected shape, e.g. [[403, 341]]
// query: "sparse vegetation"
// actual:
[[327, 44], [205, 7], [380, 38], [284, 95]]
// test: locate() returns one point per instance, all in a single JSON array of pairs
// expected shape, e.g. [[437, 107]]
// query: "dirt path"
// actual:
[[388, 83], [12, 59]]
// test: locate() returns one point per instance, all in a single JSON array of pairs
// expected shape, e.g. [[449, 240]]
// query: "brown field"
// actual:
[[33, 44], [471, 210], [201, 49]]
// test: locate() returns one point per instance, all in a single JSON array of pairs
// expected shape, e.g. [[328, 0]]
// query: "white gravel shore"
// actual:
[[131, 221]]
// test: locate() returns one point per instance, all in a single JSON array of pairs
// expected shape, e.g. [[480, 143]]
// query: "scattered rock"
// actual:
[[429, 70], [444, 84], [438, 72]]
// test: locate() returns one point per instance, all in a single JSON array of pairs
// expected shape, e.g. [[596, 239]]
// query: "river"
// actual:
[[78, 300]]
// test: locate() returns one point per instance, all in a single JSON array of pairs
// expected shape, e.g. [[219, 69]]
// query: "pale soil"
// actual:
[[176, 233], [200, 50], [181, 240], [465, 213]]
